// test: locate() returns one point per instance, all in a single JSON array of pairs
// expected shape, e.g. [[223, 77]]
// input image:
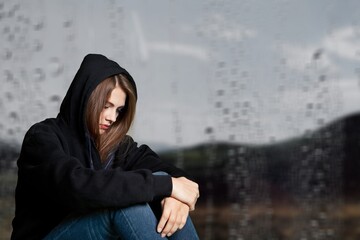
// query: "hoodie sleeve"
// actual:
[[142, 157], [46, 168]]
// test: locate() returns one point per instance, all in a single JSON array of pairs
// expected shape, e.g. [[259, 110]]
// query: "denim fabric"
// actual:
[[137, 222]]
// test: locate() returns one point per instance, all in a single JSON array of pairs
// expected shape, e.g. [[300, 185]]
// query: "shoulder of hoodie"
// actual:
[[49, 127]]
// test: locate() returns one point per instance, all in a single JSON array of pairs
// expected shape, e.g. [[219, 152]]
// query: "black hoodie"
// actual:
[[59, 168]]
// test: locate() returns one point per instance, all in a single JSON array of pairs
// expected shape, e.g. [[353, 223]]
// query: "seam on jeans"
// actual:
[[130, 226], [92, 230]]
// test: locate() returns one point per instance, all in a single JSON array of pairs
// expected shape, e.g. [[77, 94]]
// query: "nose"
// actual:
[[111, 116]]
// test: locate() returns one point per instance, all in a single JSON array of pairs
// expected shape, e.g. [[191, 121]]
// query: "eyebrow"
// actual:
[[107, 102]]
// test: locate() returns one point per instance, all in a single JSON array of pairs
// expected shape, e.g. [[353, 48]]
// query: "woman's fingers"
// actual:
[[163, 220], [173, 217]]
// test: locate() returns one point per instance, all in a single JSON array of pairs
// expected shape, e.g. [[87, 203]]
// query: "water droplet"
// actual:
[[220, 92], [6, 30], [304, 148], [318, 151], [55, 98], [322, 78], [16, 7], [37, 45], [317, 54], [56, 68], [209, 130], [10, 132], [9, 96], [221, 64], [67, 24], [39, 26], [314, 223], [14, 116], [232, 137], [20, 18], [320, 121], [8, 76], [226, 111], [39, 75], [11, 37], [11, 13], [7, 55]]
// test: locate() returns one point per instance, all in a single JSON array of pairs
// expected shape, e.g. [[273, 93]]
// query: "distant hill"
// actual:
[[326, 160]]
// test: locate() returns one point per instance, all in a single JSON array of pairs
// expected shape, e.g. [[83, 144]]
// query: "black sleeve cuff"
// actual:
[[162, 186]]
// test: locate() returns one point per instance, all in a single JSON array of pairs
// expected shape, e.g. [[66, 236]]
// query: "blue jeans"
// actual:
[[135, 222]]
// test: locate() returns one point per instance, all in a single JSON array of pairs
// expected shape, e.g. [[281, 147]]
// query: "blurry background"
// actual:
[[259, 100]]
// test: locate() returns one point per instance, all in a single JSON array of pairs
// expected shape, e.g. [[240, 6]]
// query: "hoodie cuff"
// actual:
[[162, 186]]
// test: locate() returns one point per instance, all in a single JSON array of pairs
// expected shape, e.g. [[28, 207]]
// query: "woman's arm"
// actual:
[[142, 157], [183, 189], [46, 169]]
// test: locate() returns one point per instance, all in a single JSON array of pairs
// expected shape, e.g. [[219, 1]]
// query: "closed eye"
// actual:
[[107, 105], [119, 110]]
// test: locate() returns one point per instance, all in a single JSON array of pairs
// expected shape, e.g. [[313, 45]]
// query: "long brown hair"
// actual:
[[108, 141]]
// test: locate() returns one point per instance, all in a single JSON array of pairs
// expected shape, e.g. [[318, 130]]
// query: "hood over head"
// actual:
[[93, 69]]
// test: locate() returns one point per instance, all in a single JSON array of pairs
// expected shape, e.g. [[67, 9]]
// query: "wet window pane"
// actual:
[[258, 100]]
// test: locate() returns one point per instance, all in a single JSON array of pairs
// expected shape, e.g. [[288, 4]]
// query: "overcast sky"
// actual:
[[253, 71]]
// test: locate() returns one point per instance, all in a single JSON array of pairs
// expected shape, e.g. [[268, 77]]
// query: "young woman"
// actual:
[[81, 177]]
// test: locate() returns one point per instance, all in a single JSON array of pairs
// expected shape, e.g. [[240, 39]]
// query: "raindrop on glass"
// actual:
[[221, 64], [317, 54], [10, 132], [9, 96], [9, 77], [37, 45], [55, 98], [14, 117], [309, 106], [220, 92], [6, 30], [320, 121], [11, 37], [209, 130], [7, 54], [67, 24], [39, 26], [56, 68], [39, 75]]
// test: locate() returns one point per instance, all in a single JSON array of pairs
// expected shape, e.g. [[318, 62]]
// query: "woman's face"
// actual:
[[112, 108]]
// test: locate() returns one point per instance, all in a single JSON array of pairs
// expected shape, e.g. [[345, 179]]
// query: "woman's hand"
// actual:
[[173, 218], [185, 191]]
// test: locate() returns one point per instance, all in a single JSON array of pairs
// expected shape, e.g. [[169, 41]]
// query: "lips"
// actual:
[[104, 127]]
